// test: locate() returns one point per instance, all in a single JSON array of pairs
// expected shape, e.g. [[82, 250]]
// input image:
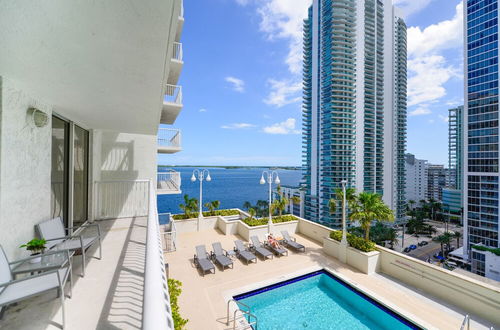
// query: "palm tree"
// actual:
[[412, 203], [189, 205], [295, 200], [215, 204], [369, 207], [442, 239], [280, 205], [209, 206], [251, 212], [247, 205], [457, 235], [350, 194]]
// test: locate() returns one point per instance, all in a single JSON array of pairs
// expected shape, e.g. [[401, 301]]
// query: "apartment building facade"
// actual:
[[416, 178], [436, 181], [354, 106], [481, 158]]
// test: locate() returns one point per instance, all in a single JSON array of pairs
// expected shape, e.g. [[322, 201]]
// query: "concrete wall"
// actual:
[[25, 168], [471, 295], [313, 230]]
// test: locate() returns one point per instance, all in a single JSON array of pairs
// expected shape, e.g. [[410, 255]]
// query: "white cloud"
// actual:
[[410, 7], [283, 92], [444, 118], [428, 70], [284, 127], [203, 110], [238, 126], [420, 111], [431, 121], [237, 84]]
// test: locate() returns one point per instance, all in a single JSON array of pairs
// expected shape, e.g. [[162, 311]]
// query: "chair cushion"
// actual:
[[75, 244], [32, 286], [50, 229]]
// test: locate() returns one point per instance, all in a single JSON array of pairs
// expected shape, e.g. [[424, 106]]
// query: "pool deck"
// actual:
[[204, 298]]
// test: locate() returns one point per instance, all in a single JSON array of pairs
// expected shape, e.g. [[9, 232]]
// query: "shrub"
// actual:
[[354, 241], [263, 221], [174, 290], [206, 214]]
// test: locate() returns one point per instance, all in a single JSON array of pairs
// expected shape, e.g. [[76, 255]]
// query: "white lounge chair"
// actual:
[[54, 233], [12, 291], [291, 242]]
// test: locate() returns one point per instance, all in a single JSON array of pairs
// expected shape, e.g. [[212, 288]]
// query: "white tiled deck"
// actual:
[[108, 297], [203, 299]]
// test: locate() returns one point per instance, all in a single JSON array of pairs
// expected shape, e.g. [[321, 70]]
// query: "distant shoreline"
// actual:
[[238, 167]]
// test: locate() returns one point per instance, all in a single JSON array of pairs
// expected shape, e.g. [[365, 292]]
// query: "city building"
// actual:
[[295, 208], [436, 181], [416, 178], [455, 147], [452, 204], [481, 158], [84, 87], [354, 105], [485, 261]]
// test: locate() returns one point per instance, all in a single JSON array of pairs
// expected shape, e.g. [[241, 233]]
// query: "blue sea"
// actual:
[[232, 187]]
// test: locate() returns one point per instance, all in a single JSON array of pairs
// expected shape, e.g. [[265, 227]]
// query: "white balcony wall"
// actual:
[[25, 167]]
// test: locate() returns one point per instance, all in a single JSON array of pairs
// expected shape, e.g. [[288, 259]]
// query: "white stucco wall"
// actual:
[[25, 161]]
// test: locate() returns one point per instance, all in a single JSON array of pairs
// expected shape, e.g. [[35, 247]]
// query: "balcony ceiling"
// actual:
[[99, 63]]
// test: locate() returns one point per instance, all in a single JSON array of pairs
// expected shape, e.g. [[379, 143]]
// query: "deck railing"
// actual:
[[177, 55], [170, 237], [121, 199], [169, 137], [156, 310], [171, 176], [173, 94]]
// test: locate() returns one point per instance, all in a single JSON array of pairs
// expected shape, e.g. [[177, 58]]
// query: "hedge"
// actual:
[[354, 241], [495, 251], [183, 216], [174, 290], [252, 222]]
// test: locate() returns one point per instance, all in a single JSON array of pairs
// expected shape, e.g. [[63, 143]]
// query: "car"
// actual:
[[423, 243], [406, 250], [412, 247]]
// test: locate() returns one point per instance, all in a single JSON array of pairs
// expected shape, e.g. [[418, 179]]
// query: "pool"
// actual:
[[319, 300]]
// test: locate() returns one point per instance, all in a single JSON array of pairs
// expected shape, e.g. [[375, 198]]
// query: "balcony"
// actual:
[[176, 64], [124, 290], [180, 23], [168, 183], [172, 104], [169, 140]]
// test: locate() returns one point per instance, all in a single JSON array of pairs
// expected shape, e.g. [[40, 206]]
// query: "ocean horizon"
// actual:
[[231, 185]]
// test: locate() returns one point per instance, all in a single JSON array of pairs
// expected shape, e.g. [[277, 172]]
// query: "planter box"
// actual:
[[247, 231], [190, 225], [366, 262]]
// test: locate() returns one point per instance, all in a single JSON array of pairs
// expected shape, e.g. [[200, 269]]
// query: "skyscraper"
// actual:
[[455, 147], [354, 107], [416, 178], [481, 136]]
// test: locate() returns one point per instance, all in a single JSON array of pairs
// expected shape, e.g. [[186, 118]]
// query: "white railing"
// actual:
[[164, 178], [169, 137], [170, 237], [182, 9], [173, 94], [177, 55], [121, 199], [156, 310]]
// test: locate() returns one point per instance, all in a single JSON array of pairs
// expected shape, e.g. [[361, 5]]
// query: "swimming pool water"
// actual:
[[318, 301]]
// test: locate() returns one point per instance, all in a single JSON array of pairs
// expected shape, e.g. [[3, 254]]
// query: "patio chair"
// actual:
[[220, 255], [259, 249], [291, 242], [12, 290], [242, 252], [277, 250], [54, 233], [202, 260]]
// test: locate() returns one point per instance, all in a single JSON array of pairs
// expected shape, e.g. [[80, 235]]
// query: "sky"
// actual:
[[242, 81]]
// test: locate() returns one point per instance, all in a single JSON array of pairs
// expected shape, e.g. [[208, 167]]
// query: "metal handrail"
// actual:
[[228, 320], [173, 94], [249, 315], [465, 323]]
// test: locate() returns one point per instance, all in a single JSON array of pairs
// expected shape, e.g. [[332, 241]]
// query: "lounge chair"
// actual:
[[291, 242], [242, 252], [202, 260], [54, 233], [220, 255], [259, 249], [12, 291], [279, 251]]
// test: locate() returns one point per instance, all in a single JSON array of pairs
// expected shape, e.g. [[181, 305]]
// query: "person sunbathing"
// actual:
[[273, 242]]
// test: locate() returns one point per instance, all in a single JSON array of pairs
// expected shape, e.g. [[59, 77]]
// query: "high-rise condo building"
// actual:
[[481, 158], [455, 147], [354, 107], [416, 178], [436, 181]]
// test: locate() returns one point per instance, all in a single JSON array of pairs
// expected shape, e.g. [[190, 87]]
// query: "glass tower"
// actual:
[[354, 103], [481, 122]]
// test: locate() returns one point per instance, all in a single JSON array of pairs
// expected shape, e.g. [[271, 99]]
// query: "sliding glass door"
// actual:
[[80, 175], [60, 169], [70, 172]]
